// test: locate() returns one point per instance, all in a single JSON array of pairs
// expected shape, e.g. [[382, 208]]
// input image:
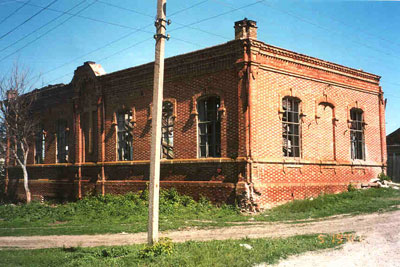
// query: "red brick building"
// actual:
[[238, 116]]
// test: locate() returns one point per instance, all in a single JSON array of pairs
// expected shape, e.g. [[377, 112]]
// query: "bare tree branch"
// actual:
[[18, 126]]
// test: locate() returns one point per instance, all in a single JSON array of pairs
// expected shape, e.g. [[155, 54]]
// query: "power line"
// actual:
[[41, 27], [324, 28], [28, 19], [131, 10], [15, 11], [81, 16], [115, 41], [129, 34], [107, 57], [358, 28], [189, 7], [111, 23], [216, 16], [151, 16], [40, 36], [97, 49], [369, 57], [175, 13]]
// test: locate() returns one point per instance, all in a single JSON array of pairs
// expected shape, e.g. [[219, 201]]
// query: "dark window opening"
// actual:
[[62, 141], [291, 127], [124, 135], [167, 131], [40, 142], [357, 134], [209, 127]]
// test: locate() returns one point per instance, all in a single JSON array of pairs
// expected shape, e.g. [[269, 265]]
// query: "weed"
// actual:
[[163, 246], [191, 254], [128, 213], [351, 188], [383, 177]]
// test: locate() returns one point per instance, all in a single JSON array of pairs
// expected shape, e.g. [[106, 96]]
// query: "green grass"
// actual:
[[112, 214], [211, 253], [128, 213], [354, 202]]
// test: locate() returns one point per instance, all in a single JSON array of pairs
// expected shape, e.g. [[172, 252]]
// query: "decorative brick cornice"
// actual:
[[291, 56], [200, 61]]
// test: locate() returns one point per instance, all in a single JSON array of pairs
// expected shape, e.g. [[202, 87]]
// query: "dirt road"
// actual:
[[361, 224], [380, 246]]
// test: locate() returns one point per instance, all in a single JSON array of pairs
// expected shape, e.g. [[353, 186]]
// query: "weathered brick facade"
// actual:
[[250, 78]]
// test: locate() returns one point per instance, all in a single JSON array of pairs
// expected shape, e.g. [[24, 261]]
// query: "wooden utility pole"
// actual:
[[156, 122]]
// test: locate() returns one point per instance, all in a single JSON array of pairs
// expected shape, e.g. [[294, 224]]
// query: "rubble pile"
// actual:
[[378, 183]]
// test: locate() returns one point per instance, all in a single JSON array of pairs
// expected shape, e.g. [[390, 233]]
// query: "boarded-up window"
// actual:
[[325, 135], [291, 127], [209, 127]]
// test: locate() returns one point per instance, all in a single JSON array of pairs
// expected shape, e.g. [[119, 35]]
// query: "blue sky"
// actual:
[[118, 34]]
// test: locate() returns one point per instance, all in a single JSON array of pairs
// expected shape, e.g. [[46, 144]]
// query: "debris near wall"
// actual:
[[248, 198], [378, 183]]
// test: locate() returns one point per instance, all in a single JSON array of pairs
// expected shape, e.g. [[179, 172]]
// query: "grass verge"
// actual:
[[354, 202], [244, 252], [128, 213]]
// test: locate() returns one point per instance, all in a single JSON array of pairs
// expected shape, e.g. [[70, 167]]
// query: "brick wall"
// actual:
[[326, 96], [251, 78]]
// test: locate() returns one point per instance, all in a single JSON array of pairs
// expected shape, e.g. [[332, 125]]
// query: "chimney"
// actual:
[[245, 29], [12, 94]]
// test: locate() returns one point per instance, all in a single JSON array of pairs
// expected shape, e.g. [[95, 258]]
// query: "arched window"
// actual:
[[167, 130], [209, 127], [357, 134], [291, 130], [62, 141], [40, 142], [124, 136]]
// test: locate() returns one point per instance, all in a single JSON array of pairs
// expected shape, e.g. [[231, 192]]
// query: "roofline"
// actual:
[[327, 64], [298, 56], [173, 57]]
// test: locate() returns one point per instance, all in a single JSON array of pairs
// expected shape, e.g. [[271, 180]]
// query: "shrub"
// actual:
[[163, 246], [351, 188], [383, 177]]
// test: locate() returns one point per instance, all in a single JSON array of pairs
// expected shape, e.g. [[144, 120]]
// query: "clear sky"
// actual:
[[118, 34]]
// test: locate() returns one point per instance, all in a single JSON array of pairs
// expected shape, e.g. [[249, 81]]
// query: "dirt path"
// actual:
[[361, 224], [380, 246]]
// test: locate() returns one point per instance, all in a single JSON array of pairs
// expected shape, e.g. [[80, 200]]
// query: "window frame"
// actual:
[[167, 129], [65, 146], [356, 124], [291, 119], [127, 131], [40, 142], [203, 127]]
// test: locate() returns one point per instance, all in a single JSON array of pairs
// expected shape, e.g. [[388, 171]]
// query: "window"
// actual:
[[209, 127], [291, 127], [167, 131], [124, 135], [357, 134], [40, 142], [62, 141]]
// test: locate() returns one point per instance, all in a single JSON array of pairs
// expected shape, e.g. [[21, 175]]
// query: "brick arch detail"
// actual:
[[327, 101], [293, 94], [355, 105], [174, 106], [209, 92], [169, 99]]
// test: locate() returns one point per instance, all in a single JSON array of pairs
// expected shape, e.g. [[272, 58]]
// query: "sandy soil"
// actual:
[[379, 246], [380, 231]]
